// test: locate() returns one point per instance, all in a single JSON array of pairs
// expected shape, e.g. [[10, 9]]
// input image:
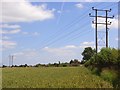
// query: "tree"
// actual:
[[88, 53], [71, 61], [25, 65], [4, 66], [74, 62], [107, 57]]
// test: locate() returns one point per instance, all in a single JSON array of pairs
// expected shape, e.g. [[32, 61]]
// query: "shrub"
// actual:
[[107, 57], [109, 75]]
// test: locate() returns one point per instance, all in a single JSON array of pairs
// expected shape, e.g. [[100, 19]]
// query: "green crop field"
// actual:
[[51, 77]]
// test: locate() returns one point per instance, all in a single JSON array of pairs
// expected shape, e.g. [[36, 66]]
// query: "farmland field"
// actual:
[[51, 77]]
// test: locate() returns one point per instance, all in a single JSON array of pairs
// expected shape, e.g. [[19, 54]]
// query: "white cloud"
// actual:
[[117, 39], [24, 11], [7, 44], [5, 38], [114, 24], [14, 26], [63, 11], [87, 44], [70, 47], [69, 50], [79, 5], [62, 51], [27, 53], [90, 44], [58, 51], [35, 33], [18, 53], [30, 33], [10, 31], [59, 11]]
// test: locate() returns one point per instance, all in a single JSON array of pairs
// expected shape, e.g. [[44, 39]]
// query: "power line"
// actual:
[[65, 28], [96, 23], [68, 26], [79, 34], [66, 35]]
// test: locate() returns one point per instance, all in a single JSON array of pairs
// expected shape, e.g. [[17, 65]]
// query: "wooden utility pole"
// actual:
[[96, 23]]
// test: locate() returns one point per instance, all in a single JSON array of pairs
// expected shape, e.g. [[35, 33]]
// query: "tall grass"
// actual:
[[52, 77]]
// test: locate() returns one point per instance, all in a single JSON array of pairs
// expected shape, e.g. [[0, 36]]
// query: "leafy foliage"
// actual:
[[88, 53], [106, 57], [106, 64]]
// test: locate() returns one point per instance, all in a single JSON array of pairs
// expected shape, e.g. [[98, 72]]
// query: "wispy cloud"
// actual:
[[35, 34], [10, 26], [30, 33], [5, 38], [62, 51], [69, 50], [26, 54], [87, 44], [7, 44], [117, 39], [60, 11], [79, 5], [10, 31]]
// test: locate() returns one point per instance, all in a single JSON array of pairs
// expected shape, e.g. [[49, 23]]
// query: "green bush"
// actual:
[[96, 71], [107, 57], [109, 75], [106, 64]]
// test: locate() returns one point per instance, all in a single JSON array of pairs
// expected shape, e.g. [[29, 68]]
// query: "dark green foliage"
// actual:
[[106, 64], [71, 61], [64, 65], [25, 65], [88, 53], [74, 62], [96, 71], [22, 65], [107, 57], [4, 66]]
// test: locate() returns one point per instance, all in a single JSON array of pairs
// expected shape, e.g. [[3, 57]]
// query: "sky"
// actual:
[[48, 32]]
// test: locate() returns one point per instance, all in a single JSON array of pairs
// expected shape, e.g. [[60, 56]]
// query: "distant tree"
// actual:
[[71, 61], [4, 66], [15, 66], [64, 65], [74, 62], [37, 65], [25, 65], [88, 53], [56, 65]]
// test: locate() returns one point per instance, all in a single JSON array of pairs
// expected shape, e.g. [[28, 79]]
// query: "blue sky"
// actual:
[[48, 32]]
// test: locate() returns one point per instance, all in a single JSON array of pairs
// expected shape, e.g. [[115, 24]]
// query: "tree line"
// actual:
[[74, 62], [105, 63]]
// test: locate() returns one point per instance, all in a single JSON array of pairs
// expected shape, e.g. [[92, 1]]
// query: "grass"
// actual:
[[0, 79], [108, 75], [51, 77]]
